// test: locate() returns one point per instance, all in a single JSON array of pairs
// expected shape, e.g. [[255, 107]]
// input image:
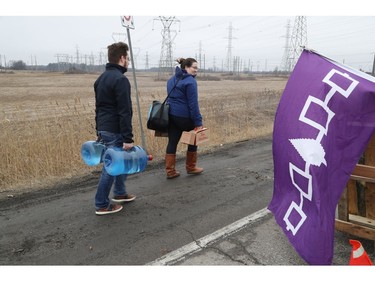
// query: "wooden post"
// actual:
[[352, 197], [370, 187]]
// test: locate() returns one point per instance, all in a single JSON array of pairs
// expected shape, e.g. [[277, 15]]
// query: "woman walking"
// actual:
[[184, 115]]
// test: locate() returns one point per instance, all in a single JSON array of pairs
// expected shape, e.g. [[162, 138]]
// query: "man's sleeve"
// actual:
[[124, 108]]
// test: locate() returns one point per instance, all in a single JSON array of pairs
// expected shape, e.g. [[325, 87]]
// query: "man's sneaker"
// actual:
[[112, 208], [123, 198]]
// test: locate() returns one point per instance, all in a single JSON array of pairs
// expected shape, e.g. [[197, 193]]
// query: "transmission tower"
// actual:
[[103, 55], [298, 40], [100, 58], [200, 53], [200, 56], [285, 61], [77, 55], [147, 63], [229, 53], [33, 63], [62, 62], [166, 54]]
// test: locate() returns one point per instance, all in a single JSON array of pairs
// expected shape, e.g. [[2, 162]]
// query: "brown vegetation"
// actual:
[[45, 117]]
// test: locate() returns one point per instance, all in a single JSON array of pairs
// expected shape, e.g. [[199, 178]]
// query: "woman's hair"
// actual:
[[116, 50], [186, 62]]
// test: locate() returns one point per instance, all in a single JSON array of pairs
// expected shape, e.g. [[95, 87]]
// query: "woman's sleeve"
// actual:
[[192, 97]]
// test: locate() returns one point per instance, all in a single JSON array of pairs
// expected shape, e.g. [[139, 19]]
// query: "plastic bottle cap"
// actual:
[[150, 157]]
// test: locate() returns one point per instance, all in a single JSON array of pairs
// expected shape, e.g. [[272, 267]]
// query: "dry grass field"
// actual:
[[45, 117]]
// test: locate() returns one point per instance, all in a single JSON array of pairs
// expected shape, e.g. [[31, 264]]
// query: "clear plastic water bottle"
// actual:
[[118, 161], [91, 152]]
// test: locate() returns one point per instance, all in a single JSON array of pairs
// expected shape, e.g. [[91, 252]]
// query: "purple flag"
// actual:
[[324, 121]]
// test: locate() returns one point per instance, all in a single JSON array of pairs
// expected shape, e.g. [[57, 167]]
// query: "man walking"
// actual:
[[113, 118]]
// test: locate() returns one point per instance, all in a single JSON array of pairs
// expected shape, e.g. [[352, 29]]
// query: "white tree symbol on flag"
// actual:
[[310, 150]]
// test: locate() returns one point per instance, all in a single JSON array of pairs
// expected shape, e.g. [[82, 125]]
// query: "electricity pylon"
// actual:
[[166, 54], [285, 61], [298, 41], [229, 53]]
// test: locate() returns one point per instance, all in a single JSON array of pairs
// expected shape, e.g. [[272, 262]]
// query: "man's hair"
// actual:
[[116, 50]]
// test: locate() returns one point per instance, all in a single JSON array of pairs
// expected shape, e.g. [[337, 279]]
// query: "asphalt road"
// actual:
[[58, 225]]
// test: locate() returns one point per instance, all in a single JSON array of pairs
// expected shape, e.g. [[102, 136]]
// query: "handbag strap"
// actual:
[[170, 92]]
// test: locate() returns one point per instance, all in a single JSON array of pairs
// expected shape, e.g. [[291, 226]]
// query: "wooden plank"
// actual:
[[363, 179], [355, 229], [362, 221], [364, 171]]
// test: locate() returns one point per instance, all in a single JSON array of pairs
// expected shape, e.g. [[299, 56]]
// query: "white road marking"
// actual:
[[201, 243]]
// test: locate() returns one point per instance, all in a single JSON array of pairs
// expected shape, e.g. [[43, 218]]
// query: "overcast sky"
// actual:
[[258, 40]]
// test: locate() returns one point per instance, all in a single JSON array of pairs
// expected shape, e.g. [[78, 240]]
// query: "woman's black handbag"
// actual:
[[158, 116]]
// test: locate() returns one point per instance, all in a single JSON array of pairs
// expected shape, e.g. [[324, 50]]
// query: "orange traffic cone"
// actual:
[[358, 255]]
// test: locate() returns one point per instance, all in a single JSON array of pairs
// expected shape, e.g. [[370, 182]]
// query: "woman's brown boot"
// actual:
[[191, 162], [170, 165]]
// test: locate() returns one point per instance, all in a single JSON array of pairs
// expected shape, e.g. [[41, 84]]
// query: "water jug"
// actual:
[[91, 152], [118, 161]]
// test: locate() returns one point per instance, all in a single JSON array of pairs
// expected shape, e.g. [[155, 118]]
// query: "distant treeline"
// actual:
[[72, 68]]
